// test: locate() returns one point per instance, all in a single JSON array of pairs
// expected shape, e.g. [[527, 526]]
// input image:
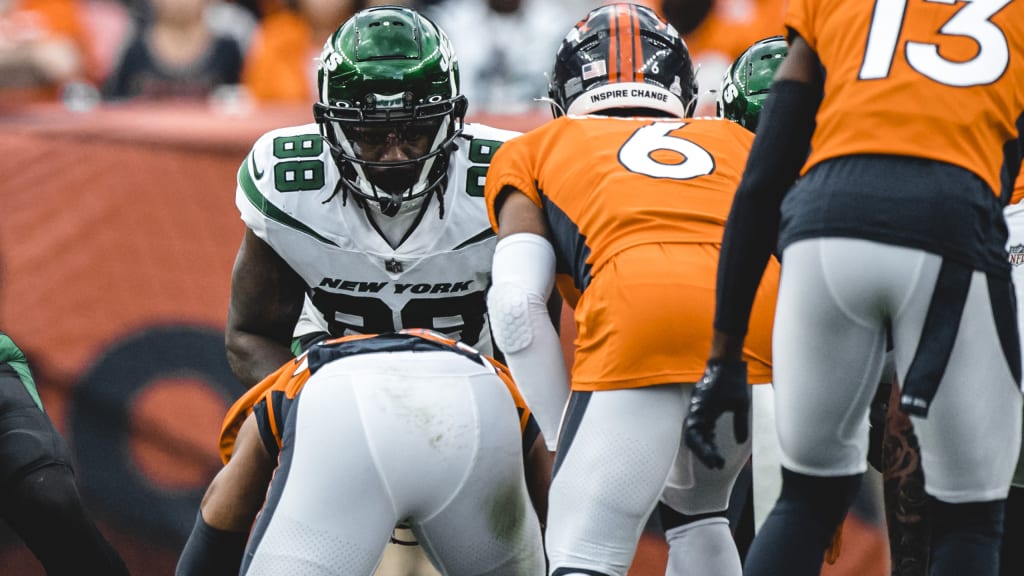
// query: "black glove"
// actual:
[[723, 389]]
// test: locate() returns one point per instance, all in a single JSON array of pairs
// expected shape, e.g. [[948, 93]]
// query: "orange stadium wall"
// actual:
[[117, 236]]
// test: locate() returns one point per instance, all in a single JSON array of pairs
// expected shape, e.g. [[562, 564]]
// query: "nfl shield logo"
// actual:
[[1017, 255], [393, 266]]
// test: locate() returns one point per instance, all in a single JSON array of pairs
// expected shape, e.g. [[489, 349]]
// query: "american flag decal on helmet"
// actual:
[[594, 69]]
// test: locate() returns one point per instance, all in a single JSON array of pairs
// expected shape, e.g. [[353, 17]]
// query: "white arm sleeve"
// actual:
[[522, 276]]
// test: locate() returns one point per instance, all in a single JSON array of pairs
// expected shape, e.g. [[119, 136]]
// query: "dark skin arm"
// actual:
[[538, 464], [783, 137], [236, 493], [266, 300], [517, 214], [801, 65], [522, 215]]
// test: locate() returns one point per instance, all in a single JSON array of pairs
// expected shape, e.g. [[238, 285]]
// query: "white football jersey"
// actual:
[[358, 283]]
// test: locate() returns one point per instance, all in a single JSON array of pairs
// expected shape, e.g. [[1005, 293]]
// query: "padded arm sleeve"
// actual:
[[523, 275]]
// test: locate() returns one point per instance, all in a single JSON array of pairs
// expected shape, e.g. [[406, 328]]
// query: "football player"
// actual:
[[1012, 556], [368, 220], [41, 501], [745, 87], [363, 432], [894, 226], [374, 211], [624, 199]]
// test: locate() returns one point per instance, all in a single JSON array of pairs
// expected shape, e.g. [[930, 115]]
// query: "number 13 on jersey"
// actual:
[[972, 21]]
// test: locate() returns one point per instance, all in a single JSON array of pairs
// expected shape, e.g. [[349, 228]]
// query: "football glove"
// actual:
[[723, 388]]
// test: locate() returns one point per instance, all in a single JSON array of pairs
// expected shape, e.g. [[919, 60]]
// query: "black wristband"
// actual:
[[751, 232]]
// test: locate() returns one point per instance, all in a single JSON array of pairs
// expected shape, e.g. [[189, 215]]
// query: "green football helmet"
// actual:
[[389, 69], [747, 82]]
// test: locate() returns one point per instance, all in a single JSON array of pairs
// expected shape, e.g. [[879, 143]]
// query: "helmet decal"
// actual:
[[594, 69]]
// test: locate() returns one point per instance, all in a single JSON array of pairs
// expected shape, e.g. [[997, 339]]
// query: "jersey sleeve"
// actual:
[[288, 379], [799, 18], [514, 164], [255, 186]]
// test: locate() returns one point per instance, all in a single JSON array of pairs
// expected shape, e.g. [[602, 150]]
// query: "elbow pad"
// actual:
[[522, 277]]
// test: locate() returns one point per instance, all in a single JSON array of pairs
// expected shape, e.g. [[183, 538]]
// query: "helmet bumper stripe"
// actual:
[[623, 30], [638, 49], [613, 49]]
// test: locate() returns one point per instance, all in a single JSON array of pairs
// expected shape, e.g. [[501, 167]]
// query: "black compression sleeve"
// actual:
[[211, 552], [779, 151]]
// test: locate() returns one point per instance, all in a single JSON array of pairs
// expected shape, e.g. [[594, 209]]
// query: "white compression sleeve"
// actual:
[[522, 276], [703, 547]]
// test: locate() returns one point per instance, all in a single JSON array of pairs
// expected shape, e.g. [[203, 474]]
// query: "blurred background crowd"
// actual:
[[243, 52]]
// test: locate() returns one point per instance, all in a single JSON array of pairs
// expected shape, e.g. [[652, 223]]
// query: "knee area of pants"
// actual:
[[48, 491], [671, 519], [509, 307], [806, 451], [682, 530]]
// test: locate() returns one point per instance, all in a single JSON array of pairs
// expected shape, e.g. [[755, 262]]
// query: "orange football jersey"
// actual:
[[274, 394], [657, 192], [923, 78], [644, 181]]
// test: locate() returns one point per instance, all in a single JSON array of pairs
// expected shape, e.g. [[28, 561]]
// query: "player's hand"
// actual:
[[722, 389]]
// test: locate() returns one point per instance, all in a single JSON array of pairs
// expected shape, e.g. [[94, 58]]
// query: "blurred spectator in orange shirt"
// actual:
[[280, 66], [176, 56], [43, 46], [717, 32]]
